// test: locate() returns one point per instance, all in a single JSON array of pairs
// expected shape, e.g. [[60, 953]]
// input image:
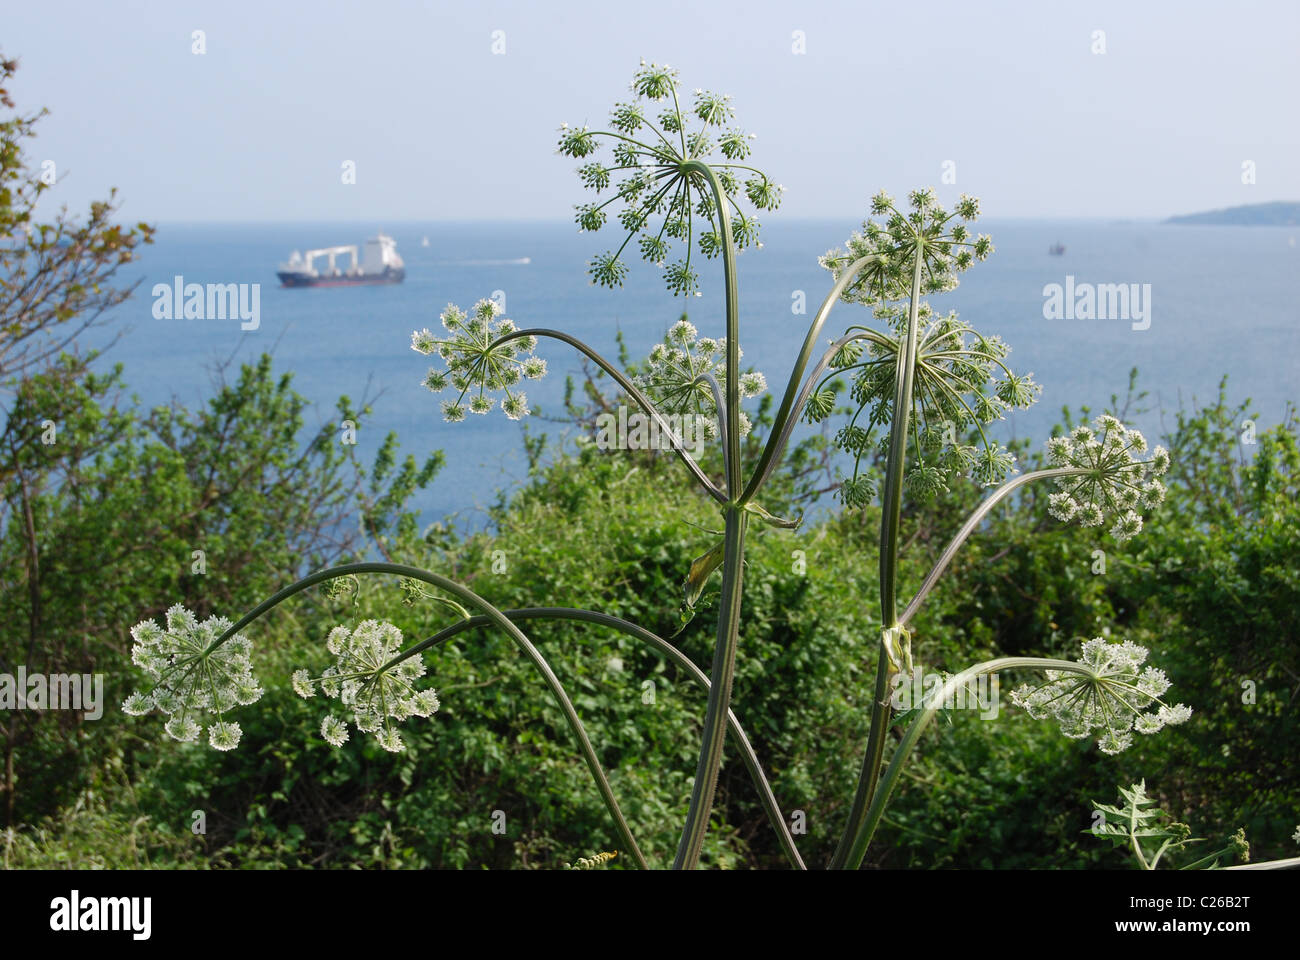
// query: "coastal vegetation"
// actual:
[[642, 661]]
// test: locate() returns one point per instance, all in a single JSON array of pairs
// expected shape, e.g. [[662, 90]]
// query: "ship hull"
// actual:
[[390, 275]]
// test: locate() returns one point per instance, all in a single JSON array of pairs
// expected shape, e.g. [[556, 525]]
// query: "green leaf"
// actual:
[[701, 569]]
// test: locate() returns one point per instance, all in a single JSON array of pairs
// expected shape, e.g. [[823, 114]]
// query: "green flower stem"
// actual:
[[871, 761], [500, 620], [721, 674], [712, 383], [973, 521], [892, 502], [632, 391], [788, 412], [736, 521], [863, 834], [891, 511], [680, 660], [732, 449], [1290, 863]]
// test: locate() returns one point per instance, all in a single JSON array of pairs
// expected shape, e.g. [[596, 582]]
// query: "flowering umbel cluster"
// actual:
[[961, 382], [1114, 698], [926, 231], [477, 366], [367, 683], [655, 137], [192, 677], [676, 373], [1112, 482]]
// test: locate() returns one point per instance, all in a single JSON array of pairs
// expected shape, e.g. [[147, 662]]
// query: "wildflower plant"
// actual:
[[1112, 698], [670, 197], [1110, 481], [193, 675], [371, 681], [682, 375], [960, 380], [479, 363], [928, 383]]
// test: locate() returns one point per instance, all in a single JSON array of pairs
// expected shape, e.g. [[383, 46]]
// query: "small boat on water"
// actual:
[[379, 264], [1056, 249]]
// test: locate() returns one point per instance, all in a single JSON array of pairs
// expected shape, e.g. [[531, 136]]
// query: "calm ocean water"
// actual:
[[1224, 300]]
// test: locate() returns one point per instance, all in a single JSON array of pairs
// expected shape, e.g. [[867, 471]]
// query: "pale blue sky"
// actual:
[[441, 128]]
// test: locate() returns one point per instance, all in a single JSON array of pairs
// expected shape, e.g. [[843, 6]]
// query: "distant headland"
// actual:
[[1278, 214]]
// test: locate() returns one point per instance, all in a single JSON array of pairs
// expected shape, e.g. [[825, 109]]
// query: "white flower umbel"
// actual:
[[1114, 484], [949, 247], [1113, 698], [191, 677], [366, 681], [475, 367], [659, 144], [676, 374], [960, 378]]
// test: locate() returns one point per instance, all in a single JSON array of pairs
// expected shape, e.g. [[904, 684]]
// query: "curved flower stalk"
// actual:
[[372, 679], [934, 379], [1102, 670], [1104, 474], [1100, 478], [479, 361], [1114, 696], [194, 675], [231, 635], [1108, 480], [659, 146], [681, 376]]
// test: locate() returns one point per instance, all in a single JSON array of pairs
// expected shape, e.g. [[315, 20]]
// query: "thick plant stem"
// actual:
[[871, 760], [892, 502], [499, 620], [736, 521], [862, 837], [680, 660], [891, 513], [732, 449], [721, 676]]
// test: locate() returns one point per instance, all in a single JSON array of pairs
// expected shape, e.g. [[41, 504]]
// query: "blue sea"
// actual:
[[1224, 300]]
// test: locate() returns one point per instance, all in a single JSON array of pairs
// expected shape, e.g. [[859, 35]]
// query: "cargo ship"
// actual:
[[379, 264]]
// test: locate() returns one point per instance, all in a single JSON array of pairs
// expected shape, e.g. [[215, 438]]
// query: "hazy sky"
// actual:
[[441, 127]]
